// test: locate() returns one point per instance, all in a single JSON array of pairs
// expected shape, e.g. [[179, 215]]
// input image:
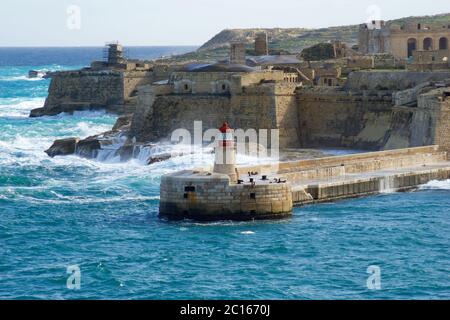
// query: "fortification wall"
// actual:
[[80, 90], [133, 79], [266, 106], [391, 80], [431, 121], [424, 124], [337, 118], [220, 82]]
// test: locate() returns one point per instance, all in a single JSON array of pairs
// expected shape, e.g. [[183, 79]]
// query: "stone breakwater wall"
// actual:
[[201, 195], [346, 176], [340, 166], [112, 90], [328, 191]]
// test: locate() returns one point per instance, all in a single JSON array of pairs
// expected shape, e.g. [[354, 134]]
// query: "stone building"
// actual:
[[430, 60], [237, 52], [115, 53], [402, 40], [261, 44]]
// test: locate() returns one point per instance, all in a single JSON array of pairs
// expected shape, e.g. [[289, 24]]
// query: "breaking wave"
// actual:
[[19, 108], [436, 185], [21, 78]]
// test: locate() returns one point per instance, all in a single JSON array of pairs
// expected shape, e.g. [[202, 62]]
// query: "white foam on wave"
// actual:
[[436, 185], [58, 199], [21, 78], [19, 108]]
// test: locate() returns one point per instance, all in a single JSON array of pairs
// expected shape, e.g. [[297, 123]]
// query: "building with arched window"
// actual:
[[402, 40]]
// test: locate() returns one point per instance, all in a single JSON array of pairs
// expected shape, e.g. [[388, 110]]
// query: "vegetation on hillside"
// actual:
[[321, 51], [289, 40]]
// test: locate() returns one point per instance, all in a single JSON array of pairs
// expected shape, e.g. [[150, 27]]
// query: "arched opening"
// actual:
[[427, 44], [412, 46], [443, 43]]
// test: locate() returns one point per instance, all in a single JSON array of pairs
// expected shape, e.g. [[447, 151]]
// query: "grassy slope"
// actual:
[[293, 40]]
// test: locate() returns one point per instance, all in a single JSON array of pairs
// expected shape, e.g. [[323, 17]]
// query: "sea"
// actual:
[[73, 228]]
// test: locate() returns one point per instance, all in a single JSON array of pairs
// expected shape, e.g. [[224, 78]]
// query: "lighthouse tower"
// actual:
[[225, 153]]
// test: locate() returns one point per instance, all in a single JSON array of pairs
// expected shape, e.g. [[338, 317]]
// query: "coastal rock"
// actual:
[[63, 147], [159, 158], [40, 112], [89, 147], [123, 122]]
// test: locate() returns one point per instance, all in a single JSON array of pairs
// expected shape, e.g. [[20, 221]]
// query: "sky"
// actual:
[[182, 22]]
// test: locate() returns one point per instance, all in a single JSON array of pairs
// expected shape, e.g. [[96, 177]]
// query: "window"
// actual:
[[428, 44], [443, 43], [412, 46]]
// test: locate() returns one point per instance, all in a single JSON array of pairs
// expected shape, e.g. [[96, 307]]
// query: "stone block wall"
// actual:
[[205, 196], [111, 90], [391, 80], [363, 187], [423, 124], [338, 118], [339, 166], [266, 106], [90, 88], [133, 79], [441, 130], [207, 82]]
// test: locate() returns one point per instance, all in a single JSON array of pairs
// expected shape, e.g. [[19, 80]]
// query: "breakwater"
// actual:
[[272, 190]]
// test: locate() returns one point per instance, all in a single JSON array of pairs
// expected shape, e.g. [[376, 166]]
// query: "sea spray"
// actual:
[[387, 184], [436, 185]]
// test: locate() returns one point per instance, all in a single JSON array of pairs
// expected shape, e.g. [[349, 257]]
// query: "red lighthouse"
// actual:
[[225, 158]]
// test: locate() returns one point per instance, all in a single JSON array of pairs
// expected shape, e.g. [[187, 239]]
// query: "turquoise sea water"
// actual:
[[102, 216]]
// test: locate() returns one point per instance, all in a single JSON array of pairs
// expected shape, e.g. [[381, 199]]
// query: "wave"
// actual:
[[21, 78], [19, 108], [436, 185], [12, 193]]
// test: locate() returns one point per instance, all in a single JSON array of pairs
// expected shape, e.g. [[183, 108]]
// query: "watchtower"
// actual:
[[261, 44], [115, 53], [237, 53]]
